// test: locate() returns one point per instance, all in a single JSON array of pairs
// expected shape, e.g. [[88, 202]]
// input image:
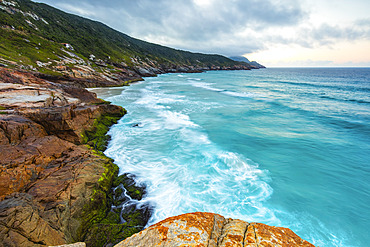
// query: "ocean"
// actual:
[[286, 147]]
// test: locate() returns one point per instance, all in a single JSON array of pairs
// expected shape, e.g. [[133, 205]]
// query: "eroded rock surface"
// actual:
[[211, 230], [53, 187]]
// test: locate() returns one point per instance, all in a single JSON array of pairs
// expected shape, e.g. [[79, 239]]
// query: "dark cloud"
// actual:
[[212, 28]]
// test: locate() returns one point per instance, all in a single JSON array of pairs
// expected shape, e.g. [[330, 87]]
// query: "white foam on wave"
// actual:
[[155, 82], [175, 120], [194, 136], [195, 175], [209, 86], [158, 100], [240, 94], [205, 85], [183, 169], [314, 230]]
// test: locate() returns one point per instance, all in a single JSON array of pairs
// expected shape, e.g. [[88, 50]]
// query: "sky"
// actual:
[[276, 33]]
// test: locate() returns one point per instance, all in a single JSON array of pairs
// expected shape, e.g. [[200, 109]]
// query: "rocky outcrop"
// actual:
[[207, 229], [55, 184]]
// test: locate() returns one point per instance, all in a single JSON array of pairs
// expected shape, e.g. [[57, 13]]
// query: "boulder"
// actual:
[[208, 229], [145, 72]]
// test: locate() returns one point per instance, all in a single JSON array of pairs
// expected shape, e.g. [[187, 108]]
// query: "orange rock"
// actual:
[[46, 175], [233, 233], [208, 229]]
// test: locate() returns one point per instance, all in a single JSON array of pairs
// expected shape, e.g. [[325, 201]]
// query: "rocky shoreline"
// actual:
[[57, 187]]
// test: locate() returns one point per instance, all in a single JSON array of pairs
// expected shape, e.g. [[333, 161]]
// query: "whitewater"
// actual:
[[284, 147]]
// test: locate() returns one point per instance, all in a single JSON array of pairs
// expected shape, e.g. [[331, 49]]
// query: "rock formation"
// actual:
[[207, 229], [55, 184]]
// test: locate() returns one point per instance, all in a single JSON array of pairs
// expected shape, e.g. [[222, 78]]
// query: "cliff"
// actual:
[[55, 184]]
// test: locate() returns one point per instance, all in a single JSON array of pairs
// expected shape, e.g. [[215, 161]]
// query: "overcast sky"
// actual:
[[273, 32]]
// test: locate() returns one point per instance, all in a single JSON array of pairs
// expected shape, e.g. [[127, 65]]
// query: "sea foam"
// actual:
[[254, 145]]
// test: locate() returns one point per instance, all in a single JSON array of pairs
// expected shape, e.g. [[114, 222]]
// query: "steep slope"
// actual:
[[37, 37]]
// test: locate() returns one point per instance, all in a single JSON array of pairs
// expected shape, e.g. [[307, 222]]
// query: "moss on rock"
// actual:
[[109, 234], [134, 190], [97, 136], [97, 209], [103, 221]]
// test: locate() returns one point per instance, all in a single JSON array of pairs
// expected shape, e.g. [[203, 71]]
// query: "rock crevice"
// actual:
[[213, 230], [55, 183]]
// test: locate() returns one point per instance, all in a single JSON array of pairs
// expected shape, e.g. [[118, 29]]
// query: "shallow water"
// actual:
[[285, 147]]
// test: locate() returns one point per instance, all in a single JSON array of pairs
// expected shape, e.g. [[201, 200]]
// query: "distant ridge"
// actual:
[[244, 59]]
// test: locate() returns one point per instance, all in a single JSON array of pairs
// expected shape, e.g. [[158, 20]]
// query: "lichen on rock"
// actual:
[[211, 230]]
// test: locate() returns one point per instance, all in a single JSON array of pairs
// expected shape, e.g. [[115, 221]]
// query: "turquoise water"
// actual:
[[285, 147]]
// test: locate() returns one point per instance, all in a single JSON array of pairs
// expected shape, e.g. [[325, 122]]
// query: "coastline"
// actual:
[[55, 178], [74, 123], [54, 131]]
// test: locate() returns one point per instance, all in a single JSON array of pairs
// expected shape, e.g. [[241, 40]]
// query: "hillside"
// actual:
[[38, 37], [254, 64]]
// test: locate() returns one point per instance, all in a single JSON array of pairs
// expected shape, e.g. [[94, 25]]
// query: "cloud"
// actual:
[[212, 26], [323, 35], [230, 28], [327, 34], [306, 63]]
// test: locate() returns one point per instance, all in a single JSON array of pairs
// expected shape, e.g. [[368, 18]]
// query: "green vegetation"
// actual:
[[96, 137], [95, 212], [101, 225], [135, 192], [26, 48], [40, 38], [3, 112], [102, 102]]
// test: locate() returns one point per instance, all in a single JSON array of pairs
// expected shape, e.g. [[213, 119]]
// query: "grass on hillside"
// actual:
[[92, 37]]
